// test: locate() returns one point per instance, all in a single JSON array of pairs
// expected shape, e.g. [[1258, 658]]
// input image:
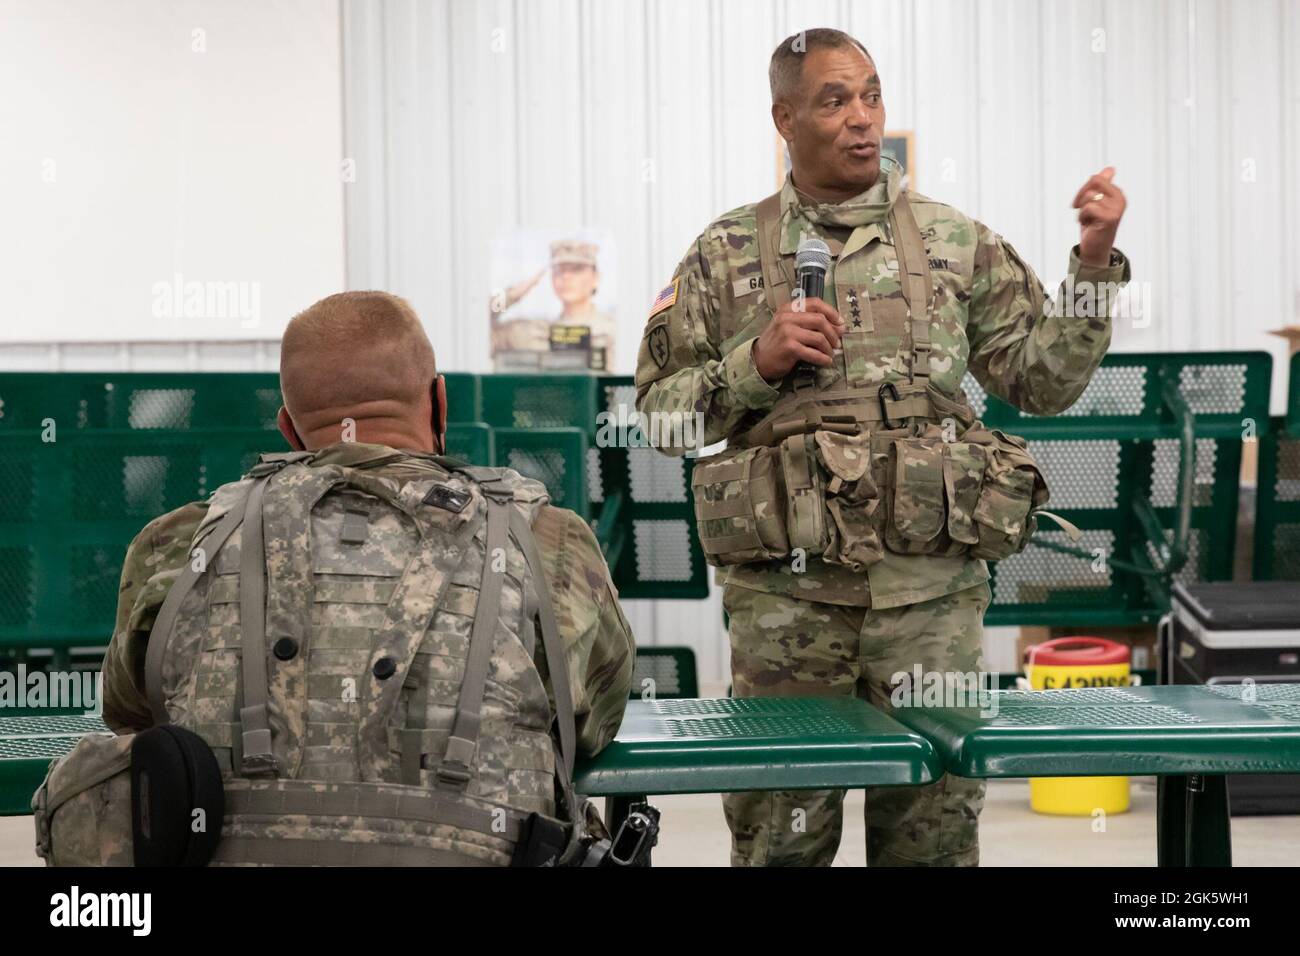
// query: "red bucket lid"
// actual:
[[1077, 651]]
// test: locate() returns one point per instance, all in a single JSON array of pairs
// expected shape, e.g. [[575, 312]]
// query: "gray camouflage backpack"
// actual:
[[358, 653]]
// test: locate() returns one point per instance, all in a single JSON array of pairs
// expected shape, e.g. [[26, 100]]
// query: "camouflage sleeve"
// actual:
[[153, 561], [1038, 355], [596, 636], [680, 369]]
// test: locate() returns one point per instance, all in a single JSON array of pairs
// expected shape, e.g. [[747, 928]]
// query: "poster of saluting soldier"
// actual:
[[552, 302]]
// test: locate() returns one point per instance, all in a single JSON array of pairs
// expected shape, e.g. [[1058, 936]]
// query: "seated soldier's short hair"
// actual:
[[351, 349]]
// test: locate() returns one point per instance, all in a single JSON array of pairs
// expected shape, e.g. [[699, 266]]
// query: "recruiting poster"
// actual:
[[552, 302]]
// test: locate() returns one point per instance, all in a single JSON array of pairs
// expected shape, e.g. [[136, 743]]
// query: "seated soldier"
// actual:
[[407, 610]]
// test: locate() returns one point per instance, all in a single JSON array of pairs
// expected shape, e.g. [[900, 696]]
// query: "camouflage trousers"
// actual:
[[786, 647]]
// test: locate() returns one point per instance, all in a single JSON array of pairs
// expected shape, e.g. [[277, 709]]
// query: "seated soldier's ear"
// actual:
[[288, 431]]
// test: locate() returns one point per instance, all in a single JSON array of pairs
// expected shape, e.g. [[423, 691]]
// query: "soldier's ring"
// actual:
[[1098, 197]]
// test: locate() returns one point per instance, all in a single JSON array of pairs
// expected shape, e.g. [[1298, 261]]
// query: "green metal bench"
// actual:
[[27, 746], [754, 743], [663, 747], [1190, 737]]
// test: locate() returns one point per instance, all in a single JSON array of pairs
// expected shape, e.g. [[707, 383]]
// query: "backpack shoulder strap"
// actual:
[[160, 633], [777, 283], [918, 284], [556, 662], [454, 771]]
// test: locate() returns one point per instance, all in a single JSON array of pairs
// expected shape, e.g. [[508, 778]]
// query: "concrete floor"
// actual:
[[694, 834]]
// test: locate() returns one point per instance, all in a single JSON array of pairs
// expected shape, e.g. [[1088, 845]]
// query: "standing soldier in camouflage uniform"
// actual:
[[367, 678], [858, 495]]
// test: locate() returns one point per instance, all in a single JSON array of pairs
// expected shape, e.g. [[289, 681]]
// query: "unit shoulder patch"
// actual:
[[657, 340]]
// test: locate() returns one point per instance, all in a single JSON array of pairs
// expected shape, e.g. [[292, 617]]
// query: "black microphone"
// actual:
[[811, 261]]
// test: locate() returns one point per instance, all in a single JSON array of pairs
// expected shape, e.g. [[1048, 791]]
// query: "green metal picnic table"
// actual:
[[755, 743], [28, 745], [1189, 737], [663, 747]]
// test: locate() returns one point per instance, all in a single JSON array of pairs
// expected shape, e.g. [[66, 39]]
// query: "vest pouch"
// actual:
[[1013, 486], [964, 464], [805, 504], [852, 500], [82, 810], [149, 799], [918, 514], [740, 506]]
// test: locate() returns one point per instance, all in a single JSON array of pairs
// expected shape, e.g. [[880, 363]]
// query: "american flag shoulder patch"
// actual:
[[666, 298]]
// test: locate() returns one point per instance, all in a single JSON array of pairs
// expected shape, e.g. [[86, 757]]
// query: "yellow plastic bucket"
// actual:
[[1075, 662]]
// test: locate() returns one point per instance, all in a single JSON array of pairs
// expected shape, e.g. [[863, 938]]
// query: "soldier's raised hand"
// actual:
[[806, 330], [1101, 206]]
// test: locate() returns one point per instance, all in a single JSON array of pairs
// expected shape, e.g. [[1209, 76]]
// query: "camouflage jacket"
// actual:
[[991, 315], [591, 623]]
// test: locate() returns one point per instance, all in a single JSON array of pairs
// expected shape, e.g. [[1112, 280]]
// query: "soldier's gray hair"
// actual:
[[785, 70]]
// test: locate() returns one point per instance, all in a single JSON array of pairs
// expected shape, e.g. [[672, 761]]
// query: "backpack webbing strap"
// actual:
[[918, 284], [777, 284], [557, 663], [160, 633], [253, 722], [454, 770]]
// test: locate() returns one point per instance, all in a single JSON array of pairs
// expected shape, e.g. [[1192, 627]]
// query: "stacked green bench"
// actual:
[[664, 673], [1277, 503], [1146, 463], [87, 459], [565, 430]]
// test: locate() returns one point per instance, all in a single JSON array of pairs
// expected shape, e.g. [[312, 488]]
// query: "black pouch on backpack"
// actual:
[[177, 798]]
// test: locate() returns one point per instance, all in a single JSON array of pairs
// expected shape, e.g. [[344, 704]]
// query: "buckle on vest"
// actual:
[[884, 412], [453, 773]]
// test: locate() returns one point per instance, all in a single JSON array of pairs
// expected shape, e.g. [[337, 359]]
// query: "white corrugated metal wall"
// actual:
[[467, 118]]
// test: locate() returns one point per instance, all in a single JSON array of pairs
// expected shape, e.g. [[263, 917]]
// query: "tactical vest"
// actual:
[[848, 469], [358, 653]]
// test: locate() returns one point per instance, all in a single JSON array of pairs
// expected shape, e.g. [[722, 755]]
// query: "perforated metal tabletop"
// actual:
[[1119, 731], [762, 743], [28, 745]]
